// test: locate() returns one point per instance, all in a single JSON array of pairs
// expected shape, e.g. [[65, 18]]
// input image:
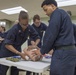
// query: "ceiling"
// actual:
[[33, 7]]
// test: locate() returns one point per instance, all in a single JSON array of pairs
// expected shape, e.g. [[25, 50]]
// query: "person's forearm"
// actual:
[[12, 49], [32, 43], [51, 52], [37, 41]]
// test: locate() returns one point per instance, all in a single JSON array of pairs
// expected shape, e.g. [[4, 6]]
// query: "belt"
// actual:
[[66, 47]]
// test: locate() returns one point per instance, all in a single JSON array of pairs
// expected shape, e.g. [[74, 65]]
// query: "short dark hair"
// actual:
[[36, 17], [69, 13], [48, 2], [23, 15]]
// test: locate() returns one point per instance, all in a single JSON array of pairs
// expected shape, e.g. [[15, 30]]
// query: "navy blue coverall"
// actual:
[[40, 31], [74, 26], [0, 42], [15, 37], [59, 35], [2, 35]]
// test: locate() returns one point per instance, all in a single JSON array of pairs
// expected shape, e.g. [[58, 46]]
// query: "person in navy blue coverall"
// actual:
[[0, 35], [60, 37], [15, 37], [40, 28]]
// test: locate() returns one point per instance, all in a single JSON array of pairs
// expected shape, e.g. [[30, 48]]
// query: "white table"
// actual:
[[37, 67]]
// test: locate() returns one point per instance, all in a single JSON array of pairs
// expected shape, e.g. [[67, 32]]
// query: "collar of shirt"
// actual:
[[36, 26], [20, 28], [53, 12]]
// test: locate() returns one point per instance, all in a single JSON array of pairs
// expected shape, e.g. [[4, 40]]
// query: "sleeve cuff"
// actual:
[[8, 42], [42, 52]]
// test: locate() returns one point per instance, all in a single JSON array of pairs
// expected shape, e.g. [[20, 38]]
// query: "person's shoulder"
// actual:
[[29, 27], [60, 10], [43, 24], [63, 12], [14, 28], [56, 13]]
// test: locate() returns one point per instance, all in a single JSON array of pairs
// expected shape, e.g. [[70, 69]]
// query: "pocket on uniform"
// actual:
[[58, 54]]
